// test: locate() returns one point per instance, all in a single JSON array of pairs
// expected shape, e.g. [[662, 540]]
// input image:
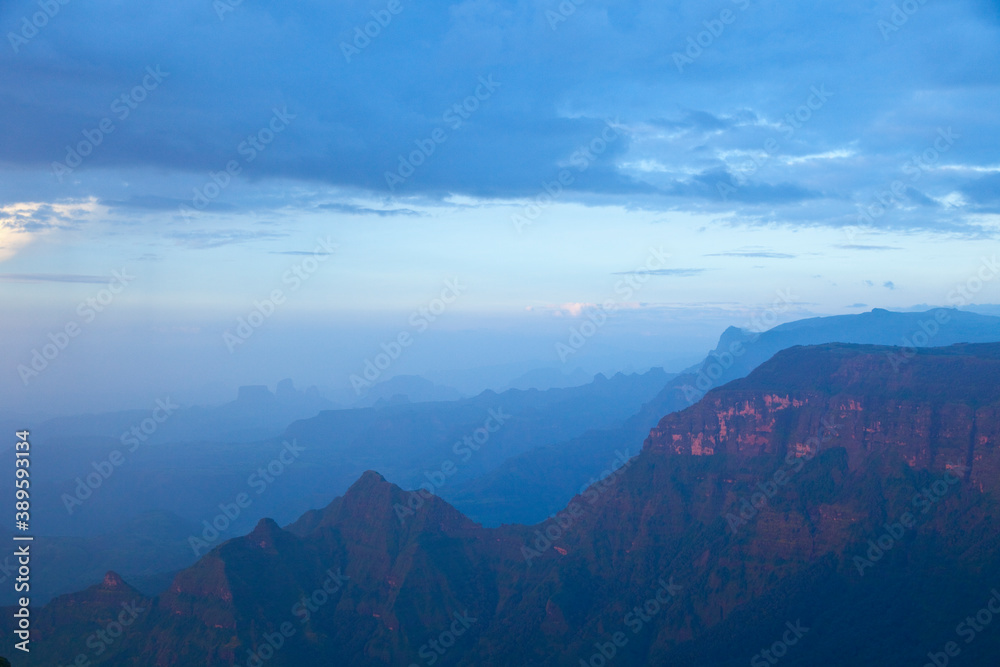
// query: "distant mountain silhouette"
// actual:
[[531, 486], [81, 505], [256, 414], [550, 378], [560, 442], [832, 497], [409, 388], [147, 549]]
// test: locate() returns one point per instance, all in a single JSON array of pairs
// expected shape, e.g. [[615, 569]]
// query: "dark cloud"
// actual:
[[349, 123], [917, 197], [723, 187], [984, 191], [154, 203], [696, 120]]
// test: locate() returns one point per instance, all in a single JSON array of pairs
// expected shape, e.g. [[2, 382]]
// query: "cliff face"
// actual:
[[748, 510], [539, 482], [937, 411]]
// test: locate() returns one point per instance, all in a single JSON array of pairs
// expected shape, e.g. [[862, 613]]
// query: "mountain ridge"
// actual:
[[663, 518]]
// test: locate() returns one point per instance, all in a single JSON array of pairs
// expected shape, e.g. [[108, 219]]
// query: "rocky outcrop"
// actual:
[[937, 411]]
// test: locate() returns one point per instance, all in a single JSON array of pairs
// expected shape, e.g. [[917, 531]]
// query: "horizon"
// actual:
[[158, 195], [365, 380]]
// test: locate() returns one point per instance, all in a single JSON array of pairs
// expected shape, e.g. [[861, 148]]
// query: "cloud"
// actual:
[[576, 309], [152, 203], [721, 186], [51, 278], [354, 209], [854, 246], [311, 253], [764, 255], [203, 239], [664, 272], [700, 120], [889, 285], [984, 191], [680, 134]]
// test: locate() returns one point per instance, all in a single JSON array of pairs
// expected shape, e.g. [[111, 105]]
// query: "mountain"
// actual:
[[88, 487], [256, 413], [95, 498], [147, 549], [831, 508], [411, 388], [560, 442], [549, 378], [531, 486]]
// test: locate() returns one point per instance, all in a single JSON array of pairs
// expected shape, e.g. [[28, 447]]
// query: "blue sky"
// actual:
[[753, 141]]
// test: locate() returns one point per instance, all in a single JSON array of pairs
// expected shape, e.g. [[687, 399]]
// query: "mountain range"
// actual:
[[530, 487], [141, 518], [834, 507]]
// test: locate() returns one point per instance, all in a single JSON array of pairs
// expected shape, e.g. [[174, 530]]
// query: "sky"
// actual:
[[480, 177]]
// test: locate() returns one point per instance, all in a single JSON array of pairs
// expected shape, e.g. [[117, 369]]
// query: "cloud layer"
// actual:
[[782, 113]]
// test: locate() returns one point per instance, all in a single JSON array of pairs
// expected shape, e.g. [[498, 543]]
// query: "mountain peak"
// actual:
[[113, 582], [369, 479], [732, 334], [264, 534], [259, 394]]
